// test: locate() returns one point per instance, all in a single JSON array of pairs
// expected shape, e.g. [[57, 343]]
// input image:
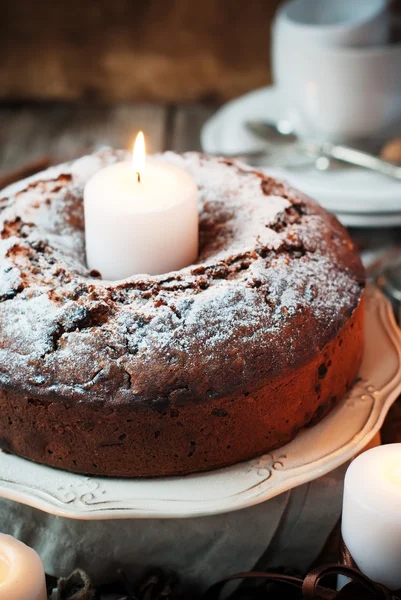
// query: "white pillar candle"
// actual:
[[22, 575], [371, 521], [140, 218]]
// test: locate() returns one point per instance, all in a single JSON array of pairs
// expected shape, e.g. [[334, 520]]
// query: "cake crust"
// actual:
[[192, 370]]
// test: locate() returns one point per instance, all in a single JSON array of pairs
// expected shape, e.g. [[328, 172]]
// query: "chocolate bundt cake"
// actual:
[[187, 371]]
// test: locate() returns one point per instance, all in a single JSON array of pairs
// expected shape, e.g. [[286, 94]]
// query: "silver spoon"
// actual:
[[282, 132], [268, 130]]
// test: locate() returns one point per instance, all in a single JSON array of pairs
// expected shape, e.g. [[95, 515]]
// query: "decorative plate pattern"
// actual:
[[314, 452]]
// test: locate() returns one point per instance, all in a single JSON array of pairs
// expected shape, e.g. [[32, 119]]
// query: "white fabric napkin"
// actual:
[[288, 530]]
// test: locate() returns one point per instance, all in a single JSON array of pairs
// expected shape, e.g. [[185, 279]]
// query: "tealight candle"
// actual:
[[371, 521], [140, 217], [22, 575]]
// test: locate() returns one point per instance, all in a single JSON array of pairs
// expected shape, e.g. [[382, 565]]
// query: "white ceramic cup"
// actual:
[[334, 93], [334, 23]]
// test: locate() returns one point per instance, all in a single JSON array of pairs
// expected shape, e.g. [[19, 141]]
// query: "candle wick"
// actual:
[[139, 176]]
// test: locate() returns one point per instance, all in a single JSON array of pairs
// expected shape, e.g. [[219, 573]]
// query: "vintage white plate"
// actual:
[[314, 452], [347, 190], [369, 220]]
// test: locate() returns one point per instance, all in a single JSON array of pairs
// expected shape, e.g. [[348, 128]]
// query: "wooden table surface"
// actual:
[[66, 131]]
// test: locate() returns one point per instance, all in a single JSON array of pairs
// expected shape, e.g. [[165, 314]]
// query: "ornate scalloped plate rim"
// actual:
[[89, 498]]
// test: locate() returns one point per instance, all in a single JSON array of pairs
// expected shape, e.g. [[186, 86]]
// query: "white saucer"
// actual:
[[370, 220], [350, 191], [313, 453]]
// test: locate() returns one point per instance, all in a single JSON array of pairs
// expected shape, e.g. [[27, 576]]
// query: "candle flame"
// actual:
[[139, 155]]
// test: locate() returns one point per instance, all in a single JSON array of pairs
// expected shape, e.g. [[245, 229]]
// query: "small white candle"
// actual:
[[140, 217], [22, 575], [371, 521]]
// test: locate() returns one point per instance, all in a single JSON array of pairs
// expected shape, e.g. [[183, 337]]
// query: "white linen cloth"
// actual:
[[288, 530]]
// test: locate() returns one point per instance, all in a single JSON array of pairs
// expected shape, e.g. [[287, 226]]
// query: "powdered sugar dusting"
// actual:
[[248, 222], [271, 262]]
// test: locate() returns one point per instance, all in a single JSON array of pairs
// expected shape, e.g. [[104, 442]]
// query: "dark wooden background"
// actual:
[[119, 50]]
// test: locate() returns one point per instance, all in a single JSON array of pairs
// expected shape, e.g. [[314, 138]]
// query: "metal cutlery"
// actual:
[[352, 156], [270, 132]]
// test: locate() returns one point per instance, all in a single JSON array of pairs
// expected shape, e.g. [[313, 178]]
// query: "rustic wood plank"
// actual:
[[65, 131], [27, 133], [174, 51], [25, 171], [187, 122]]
